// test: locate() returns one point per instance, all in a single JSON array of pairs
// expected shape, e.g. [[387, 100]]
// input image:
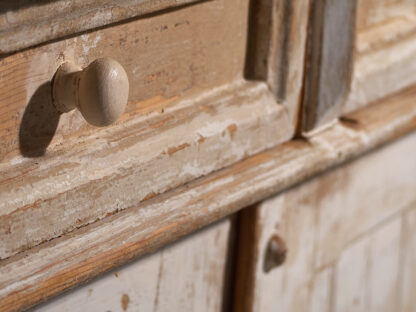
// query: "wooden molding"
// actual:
[[52, 267], [359, 52], [329, 60], [26, 23], [118, 168], [385, 61]]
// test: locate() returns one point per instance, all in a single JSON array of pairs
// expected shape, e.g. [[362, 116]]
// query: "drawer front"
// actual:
[[165, 56], [199, 100]]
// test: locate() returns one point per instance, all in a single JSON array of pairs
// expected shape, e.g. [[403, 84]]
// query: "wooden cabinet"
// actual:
[[230, 102], [348, 236]]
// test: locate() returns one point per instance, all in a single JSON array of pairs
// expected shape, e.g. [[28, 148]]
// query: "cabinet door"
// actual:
[[342, 241], [359, 51], [189, 275]]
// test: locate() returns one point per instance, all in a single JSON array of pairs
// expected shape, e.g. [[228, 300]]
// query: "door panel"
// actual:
[[347, 236], [189, 275]]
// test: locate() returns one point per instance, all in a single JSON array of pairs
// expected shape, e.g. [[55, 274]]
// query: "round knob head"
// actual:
[[103, 92]]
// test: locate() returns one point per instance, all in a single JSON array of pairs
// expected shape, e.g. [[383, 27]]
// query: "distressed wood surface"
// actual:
[[385, 61], [27, 23], [385, 50], [276, 49], [369, 271], [348, 234], [119, 168], [330, 55], [65, 262], [190, 275], [359, 52], [167, 57], [408, 273], [190, 112], [376, 12]]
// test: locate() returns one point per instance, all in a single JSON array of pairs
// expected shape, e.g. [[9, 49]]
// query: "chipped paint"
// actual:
[[125, 299], [201, 148], [88, 43], [174, 149]]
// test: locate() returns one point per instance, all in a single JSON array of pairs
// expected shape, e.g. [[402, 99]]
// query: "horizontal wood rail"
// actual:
[[41, 272], [52, 20]]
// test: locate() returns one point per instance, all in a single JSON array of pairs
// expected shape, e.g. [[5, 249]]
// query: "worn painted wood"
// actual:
[[408, 277], [385, 62], [190, 275], [385, 253], [27, 23], [321, 294], [385, 51], [330, 56], [284, 288], [163, 60], [359, 52], [376, 12], [361, 207], [190, 112], [276, 48], [374, 196], [367, 273], [352, 280], [121, 167], [65, 262]]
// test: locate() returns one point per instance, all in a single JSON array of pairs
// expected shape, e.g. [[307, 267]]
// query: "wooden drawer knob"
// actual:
[[276, 251], [100, 91]]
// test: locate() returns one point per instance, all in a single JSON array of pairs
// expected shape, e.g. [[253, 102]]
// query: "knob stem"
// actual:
[[65, 87]]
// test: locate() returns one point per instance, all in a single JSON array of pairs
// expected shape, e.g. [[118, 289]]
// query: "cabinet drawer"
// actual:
[[202, 96]]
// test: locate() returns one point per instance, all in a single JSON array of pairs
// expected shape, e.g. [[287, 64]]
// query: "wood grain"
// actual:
[[367, 272], [385, 51], [345, 239], [385, 62], [118, 168], [28, 23], [166, 57], [190, 112], [65, 262], [187, 275], [329, 62], [359, 52], [408, 281], [276, 49], [176, 69], [352, 283], [373, 13]]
